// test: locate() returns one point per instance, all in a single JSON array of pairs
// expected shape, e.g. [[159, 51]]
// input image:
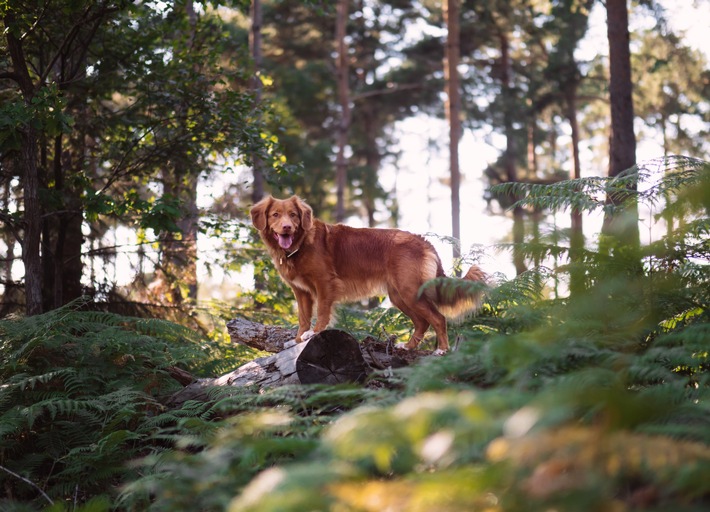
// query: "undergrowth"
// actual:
[[595, 401]]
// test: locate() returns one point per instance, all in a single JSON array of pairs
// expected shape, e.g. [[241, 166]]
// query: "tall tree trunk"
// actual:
[[33, 224], [342, 77], [453, 114], [509, 157], [622, 227], [257, 191], [66, 264], [30, 179], [373, 159], [179, 250], [577, 278]]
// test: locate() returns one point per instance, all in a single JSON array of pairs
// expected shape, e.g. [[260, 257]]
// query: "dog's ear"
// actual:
[[306, 213], [258, 213]]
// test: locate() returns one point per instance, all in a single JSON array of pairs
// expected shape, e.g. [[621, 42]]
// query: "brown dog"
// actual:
[[326, 263]]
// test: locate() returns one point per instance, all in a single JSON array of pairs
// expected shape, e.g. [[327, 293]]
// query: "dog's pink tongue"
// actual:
[[285, 241]]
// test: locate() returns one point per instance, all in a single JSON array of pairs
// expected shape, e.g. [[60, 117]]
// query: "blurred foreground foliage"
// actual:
[[595, 402]]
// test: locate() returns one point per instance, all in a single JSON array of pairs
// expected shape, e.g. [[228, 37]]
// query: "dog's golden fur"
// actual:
[[329, 263]]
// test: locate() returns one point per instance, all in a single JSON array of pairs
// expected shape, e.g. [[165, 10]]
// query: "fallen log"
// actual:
[[378, 354], [269, 338], [329, 357]]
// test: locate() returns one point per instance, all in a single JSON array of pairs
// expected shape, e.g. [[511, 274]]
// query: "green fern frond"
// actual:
[[22, 382], [73, 394], [648, 182], [582, 195]]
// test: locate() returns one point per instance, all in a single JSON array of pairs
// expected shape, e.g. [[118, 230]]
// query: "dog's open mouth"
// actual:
[[285, 241]]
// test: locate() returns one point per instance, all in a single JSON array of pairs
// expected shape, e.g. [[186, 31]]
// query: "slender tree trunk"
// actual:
[[66, 253], [33, 224], [179, 250], [453, 114], [369, 177], [62, 238], [257, 192], [511, 170], [371, 128], [30, 174], [577, 278], [621, 226], [342, 77]]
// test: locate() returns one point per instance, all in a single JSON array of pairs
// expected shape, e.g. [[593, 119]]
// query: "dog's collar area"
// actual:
[[288, 255]]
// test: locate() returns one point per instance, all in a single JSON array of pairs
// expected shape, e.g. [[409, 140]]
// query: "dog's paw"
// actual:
[[307, 335], [289, 344], [402, 345], [439, 352]]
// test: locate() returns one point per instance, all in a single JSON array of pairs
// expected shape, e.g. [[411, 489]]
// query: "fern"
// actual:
[[674, 176], [277, 426], [76, 387]]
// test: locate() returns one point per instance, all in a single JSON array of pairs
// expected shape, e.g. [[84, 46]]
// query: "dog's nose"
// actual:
[[287, 228]]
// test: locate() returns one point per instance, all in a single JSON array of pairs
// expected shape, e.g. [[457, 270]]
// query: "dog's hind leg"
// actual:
[[420, 323], [426, 311], [423, 312]]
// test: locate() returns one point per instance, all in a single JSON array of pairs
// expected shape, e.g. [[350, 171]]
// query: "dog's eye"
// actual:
[[275, 214], [293, 215]]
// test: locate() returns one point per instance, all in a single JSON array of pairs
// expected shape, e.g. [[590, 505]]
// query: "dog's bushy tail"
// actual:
[[456, 297]]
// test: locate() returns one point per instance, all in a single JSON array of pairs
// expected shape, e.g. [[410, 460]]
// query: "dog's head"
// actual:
[[282, 220]]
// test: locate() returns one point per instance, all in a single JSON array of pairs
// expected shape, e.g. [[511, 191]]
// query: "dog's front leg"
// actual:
[[304, 300], [324, 310]]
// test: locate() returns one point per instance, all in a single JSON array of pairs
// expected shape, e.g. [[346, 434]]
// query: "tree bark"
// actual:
[[30, 179], [511, 149], [342, 78], [63, 237], [621, 226], [623, 141], [577, 277], [272, 338], [453, 114], [257, 192], [259, 336], [329, 357], [33, 225]]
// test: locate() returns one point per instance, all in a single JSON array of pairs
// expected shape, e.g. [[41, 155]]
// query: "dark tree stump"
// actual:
[[331, 357]]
